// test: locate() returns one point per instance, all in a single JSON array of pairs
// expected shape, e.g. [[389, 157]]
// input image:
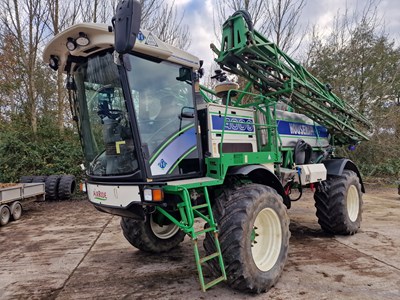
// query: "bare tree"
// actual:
[[23, 19], [57, 20], [282, 25], [167, 25]]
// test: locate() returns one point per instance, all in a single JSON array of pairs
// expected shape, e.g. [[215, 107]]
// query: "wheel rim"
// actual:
[[353, 203], [266, 239], [163, 232], [4, 215]]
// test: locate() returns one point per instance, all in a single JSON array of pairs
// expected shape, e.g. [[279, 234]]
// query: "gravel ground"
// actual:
[[68, 250]]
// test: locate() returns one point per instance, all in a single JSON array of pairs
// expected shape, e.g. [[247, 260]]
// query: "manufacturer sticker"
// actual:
[[151, 41], [140, 36], [162, 164], [99, 195]]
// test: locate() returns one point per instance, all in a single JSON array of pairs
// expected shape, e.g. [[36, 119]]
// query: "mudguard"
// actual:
[[335, 167], [262, 175]]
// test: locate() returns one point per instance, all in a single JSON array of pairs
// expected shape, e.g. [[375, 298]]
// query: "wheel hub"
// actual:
[[266, 239], [163, 232], [353, 203]]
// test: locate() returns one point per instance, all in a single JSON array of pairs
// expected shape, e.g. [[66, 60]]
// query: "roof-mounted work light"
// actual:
[[71, 44], [82, 40], [53, 62]]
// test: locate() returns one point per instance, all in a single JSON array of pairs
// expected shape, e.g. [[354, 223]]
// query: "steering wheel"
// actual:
[[110, 113]]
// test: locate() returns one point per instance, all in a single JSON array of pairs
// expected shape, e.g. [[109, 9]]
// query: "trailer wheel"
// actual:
[[51, 187], [148, 236], [26, 179], [254, 237], [4, 215], [66, 187], [339, 204], [16, 210]]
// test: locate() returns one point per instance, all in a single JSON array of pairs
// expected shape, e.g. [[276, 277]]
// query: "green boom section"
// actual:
[[248, 54]]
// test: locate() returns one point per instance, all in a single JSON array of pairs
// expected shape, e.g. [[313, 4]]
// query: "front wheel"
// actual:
[[254, 236], [339, 204], [149, 236]]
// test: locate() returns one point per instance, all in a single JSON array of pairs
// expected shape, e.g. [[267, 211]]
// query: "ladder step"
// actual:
[[205, 230], [200, 206], [214, 282], [208, 257]]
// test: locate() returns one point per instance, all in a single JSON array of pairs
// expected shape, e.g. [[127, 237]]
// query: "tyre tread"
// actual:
[[139, 235], [230, 211], [331, 207], [66, 187], [51, 187]]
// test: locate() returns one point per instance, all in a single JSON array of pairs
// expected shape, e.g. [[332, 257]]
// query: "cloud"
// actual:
[[178, 3], [199, 18]]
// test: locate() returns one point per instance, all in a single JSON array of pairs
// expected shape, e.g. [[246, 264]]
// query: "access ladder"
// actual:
[[188, 213]]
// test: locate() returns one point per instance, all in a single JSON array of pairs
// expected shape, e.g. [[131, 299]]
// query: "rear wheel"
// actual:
[[339, 204], [254, 235], [4, 214], [149, 236], [16, 210]]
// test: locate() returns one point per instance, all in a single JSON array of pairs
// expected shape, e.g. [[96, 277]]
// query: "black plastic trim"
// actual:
[[262, 175], [336, 166], [134, 211]]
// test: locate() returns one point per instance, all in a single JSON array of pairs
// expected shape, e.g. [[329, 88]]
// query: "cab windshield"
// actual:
[[103, 118], [162, 93]]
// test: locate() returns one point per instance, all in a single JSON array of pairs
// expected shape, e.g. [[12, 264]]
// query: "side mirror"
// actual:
[[187, 112], [185, 74], [126, 24]]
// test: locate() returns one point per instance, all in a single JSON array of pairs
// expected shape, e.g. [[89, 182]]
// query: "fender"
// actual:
[[260, 174], [335, 167]]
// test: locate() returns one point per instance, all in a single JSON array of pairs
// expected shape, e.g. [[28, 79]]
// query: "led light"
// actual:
[[53, 62], [157, 195], [148, 195], [71, 44], [82, 40], [153, 194]]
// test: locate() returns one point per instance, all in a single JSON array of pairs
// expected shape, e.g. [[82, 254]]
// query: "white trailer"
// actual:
[[13, 195]]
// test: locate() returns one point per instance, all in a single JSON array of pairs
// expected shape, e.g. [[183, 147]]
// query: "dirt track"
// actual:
[[68, 250]]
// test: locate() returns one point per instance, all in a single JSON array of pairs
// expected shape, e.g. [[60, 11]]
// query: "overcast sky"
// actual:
[[199, 16]]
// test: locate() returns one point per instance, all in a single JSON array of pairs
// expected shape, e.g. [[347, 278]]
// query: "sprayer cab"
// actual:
[[130, 104]]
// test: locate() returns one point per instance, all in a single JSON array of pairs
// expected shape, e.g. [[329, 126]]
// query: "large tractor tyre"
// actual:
[[5, 215], [148, 236], [51, 187], [26, 179], [339, 204], [254, 234], [66, 187], [39, 179]]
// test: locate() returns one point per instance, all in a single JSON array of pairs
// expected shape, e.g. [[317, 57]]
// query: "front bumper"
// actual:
[[117, 196]]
